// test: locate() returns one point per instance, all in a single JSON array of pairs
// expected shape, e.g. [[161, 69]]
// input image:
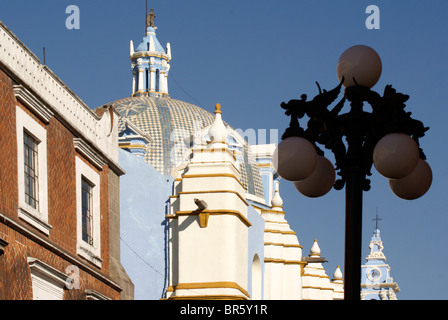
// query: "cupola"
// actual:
[[150, 63]]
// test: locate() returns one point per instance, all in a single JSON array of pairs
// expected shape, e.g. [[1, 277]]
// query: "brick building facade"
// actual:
[[59, 187]]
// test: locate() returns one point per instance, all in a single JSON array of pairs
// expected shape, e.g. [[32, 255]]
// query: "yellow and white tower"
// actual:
[[316, 284], [283, 254], [209, 224]]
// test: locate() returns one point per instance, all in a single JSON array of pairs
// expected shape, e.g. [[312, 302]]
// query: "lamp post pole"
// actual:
[[387, 137], [354, 173], [353, 235]]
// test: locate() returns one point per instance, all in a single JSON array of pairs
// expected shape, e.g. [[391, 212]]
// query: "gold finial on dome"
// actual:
[[218, 108]]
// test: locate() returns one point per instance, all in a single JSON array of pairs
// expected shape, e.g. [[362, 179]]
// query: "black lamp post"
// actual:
[[387, 137]]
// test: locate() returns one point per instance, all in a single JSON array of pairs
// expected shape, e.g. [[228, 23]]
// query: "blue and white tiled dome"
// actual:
[[160, 129], [167, 123]]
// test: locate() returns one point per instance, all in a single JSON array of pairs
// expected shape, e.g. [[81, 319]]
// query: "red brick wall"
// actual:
[[15, 276], [104, 205], [15, 279], [61, 185], [8, 148]]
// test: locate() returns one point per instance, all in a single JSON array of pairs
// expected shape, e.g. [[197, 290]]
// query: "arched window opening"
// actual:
[[157, 80], [256, 278], [147, 79]]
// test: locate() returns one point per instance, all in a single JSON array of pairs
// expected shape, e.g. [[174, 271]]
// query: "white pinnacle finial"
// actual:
[[131, 49], [217, 131], [277, 201], [337, 275], [315, 250], [152, 46], [168, 50]]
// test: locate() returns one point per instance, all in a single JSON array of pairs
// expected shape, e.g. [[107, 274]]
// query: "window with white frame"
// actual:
[[47, 282], [88, 212], [30, 153], [32, 171]]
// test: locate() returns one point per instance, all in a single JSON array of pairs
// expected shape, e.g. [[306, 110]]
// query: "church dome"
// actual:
[[168, 125], [162, 130]]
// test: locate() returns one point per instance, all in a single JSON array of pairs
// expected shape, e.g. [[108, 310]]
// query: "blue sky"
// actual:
[[252, 55]]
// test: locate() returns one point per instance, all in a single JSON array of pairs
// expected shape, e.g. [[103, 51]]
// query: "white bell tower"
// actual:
[[376, 280], [209, 224]]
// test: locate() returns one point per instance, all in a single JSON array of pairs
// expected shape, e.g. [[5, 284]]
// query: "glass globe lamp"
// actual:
[[414, 185], [361, 63], [320, 182], [395, 155], [295, 158]]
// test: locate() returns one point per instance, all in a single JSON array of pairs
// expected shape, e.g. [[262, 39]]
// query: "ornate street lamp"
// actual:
[[387, 137]]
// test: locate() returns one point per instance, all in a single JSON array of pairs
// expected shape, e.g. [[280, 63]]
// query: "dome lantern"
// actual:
[[150, 63]]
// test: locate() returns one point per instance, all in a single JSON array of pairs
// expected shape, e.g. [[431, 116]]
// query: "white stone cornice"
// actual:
[[94, 295], [156, 54], [22, 65], [30, 101], [38, 266], [82, 147]]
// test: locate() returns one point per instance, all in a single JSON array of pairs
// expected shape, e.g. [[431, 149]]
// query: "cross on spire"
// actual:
[[377, 219]]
